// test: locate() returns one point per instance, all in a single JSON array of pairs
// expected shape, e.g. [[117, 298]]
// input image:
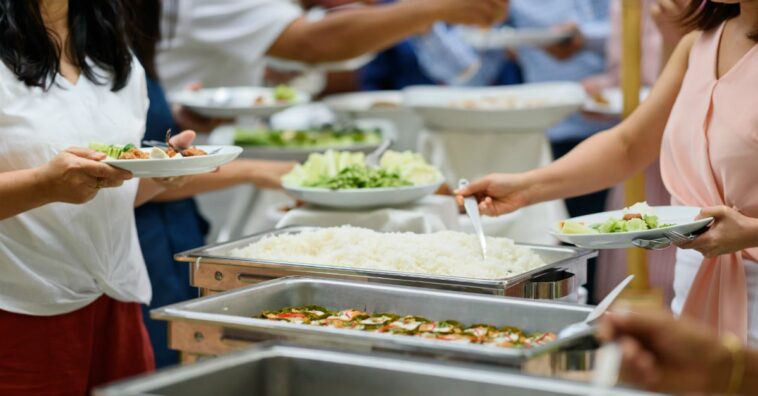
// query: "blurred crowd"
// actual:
[[68, 67]]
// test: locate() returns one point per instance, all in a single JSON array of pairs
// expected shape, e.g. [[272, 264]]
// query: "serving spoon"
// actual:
[[472, 210], [596, 313], [372, 160]]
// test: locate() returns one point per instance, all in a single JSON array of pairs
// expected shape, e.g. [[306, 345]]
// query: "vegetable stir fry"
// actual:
[[447, 330]]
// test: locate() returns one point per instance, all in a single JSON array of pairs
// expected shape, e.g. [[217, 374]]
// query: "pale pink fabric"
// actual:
[[708, 158], [652, 46]]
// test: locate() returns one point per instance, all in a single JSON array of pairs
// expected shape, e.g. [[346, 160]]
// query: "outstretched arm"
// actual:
[[601, 161], [351, 33]]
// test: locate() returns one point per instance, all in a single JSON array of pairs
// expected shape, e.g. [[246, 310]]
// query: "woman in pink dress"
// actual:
[[701, 120]]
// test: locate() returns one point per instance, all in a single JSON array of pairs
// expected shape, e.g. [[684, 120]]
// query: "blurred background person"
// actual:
[[224, 42], [172, 223]]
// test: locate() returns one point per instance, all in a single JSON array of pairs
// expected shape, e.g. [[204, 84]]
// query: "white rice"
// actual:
[[444, 253]]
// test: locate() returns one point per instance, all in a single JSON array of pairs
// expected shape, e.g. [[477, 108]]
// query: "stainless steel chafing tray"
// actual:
[[237, 313], [215, 269], [279, 370]]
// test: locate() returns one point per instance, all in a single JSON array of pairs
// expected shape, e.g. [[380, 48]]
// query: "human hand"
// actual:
[[666, 355], [483, 13], [188, 119], [268, 174], [730, 232], [569, 47], [667, 14], [180, 141], [497, 193], [76, 175]]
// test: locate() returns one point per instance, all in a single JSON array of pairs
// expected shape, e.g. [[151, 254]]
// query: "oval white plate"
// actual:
[[436, 104], [681, 216], [364, 197], [509, 38], [179, 166], [224, 135], [361, 104], [230, 102]]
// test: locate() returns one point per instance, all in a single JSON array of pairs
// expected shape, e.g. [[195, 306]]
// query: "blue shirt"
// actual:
[[592, 18], [164, 229]]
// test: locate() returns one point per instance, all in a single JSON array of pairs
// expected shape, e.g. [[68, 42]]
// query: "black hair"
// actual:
[[144, 24], [707, 15], [97, 32]]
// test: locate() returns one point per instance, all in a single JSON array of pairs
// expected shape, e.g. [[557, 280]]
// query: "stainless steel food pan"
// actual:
[[237, 312], [558, 259], [276, 370]]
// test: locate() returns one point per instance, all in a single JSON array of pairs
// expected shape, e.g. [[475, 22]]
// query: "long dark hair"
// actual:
[[707, 15], [97, 32], [144, 24]]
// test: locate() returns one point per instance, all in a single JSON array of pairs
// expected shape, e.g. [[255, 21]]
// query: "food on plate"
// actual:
[[600, 99], [280, 94], [638, 217], [446, 330], [445, 253], [323, 137], [284, 93], [131, 152], [498, 103], [385, 104], [339, 170]]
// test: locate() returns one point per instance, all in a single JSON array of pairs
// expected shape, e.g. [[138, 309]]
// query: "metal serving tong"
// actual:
[[669, 238], [472, 209]]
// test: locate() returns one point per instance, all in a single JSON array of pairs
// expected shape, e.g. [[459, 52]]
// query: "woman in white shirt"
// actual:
[[71, 271]]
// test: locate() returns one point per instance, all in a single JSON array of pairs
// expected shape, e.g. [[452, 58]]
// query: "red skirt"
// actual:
[[70, 354]]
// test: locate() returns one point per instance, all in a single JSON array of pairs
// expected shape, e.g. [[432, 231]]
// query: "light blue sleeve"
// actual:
[[597, 28]]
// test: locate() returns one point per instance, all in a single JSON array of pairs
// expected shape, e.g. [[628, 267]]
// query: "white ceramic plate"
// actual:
[[437, 106], [365, 104], [509, 38], [681, 216], [615, 105], [230, 102], [362, 198], [179, 166]]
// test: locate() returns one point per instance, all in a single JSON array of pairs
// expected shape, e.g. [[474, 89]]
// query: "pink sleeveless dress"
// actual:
[[709, 157]]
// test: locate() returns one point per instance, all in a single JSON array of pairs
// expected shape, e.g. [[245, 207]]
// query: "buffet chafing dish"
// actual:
[[227, 321], [278, 370], [214, 270]]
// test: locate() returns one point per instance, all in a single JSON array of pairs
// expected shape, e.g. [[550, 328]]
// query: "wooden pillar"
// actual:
[[631, 81]]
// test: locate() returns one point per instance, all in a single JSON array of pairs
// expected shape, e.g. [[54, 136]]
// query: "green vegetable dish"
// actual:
[[638, 217], [339, 170], [324, 137], [409, 325]]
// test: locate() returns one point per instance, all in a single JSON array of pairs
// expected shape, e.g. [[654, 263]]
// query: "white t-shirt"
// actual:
[[220, 42], [60, 257]]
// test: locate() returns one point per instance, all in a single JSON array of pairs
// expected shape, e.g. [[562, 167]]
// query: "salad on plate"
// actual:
[[638, 217], [340, 170]]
